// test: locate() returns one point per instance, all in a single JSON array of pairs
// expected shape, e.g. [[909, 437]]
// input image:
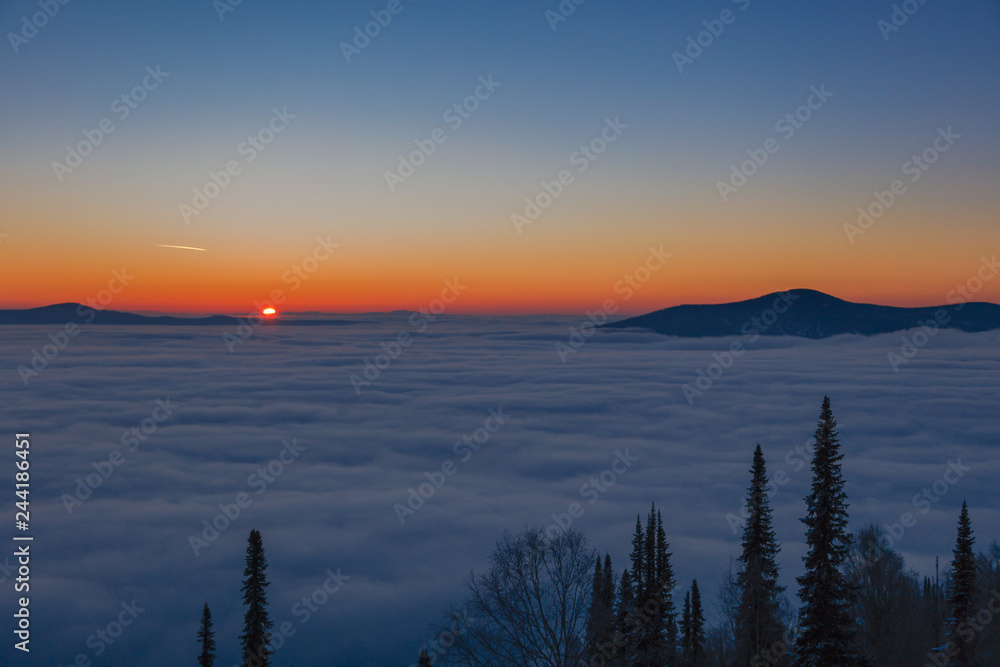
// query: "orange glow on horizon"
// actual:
[[555, 269]]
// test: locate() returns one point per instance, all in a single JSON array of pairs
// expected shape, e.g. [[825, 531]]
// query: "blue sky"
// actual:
[[353, 120]]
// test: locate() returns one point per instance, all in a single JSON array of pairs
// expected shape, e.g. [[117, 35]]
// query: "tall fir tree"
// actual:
[[693, 653], [256, 636], [758, 621], [666, 653], [609, 590], [696, 641], [592, 641], [961, 647], [826, 632], [633, 648], [625, 647], [425, 659], [935, 603], [685, 627], [654, 635], [638, 556], [647, 604], [601, 616], [206, 637]]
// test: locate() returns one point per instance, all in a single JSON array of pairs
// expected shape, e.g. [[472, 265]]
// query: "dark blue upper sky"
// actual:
[[891, 93]]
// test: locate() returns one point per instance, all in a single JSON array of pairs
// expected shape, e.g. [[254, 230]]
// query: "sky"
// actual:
[[309, 211], [513, 170], [218, 417]]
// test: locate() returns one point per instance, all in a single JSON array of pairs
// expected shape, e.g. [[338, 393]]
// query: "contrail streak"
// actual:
[[181, 247]]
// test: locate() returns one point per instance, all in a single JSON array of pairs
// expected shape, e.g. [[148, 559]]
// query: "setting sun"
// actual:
[[543, 222]]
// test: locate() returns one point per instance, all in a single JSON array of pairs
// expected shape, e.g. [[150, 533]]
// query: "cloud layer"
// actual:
[[356, 455]]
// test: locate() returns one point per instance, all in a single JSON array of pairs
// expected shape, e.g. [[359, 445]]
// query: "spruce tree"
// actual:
[[758, 621], [206, 636], [638, 549], [648, 604], [686, 630], [693, 653], [696, 628], [625, 651], [961, 649], [609, 592], [607, 633], [635, 640], [652, 638], [666, 648], [650, 560], [595, 612], [425, 659], [937, 606], [826, 633], [257, 624], [601, 616]]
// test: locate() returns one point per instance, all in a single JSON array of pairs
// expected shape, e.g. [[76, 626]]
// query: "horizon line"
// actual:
[[153, 312]]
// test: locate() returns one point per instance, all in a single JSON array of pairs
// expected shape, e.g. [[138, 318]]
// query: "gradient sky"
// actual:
[[323, 176]]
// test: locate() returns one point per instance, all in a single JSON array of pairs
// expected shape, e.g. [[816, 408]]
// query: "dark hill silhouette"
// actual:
[[809, 314], [61, 313]]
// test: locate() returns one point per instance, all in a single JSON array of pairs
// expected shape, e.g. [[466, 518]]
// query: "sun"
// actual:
[[269, 312]]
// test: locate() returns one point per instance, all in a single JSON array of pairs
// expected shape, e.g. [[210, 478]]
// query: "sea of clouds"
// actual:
[[344, 456]]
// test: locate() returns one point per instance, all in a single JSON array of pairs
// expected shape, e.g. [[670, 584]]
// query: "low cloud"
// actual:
[[333, 508]]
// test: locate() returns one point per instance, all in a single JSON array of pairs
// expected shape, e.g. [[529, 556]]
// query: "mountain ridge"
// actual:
[[809, 313], [63, 313]]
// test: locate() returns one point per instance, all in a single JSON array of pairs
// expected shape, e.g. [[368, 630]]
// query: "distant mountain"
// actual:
[[62, 313], [809, 314]]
